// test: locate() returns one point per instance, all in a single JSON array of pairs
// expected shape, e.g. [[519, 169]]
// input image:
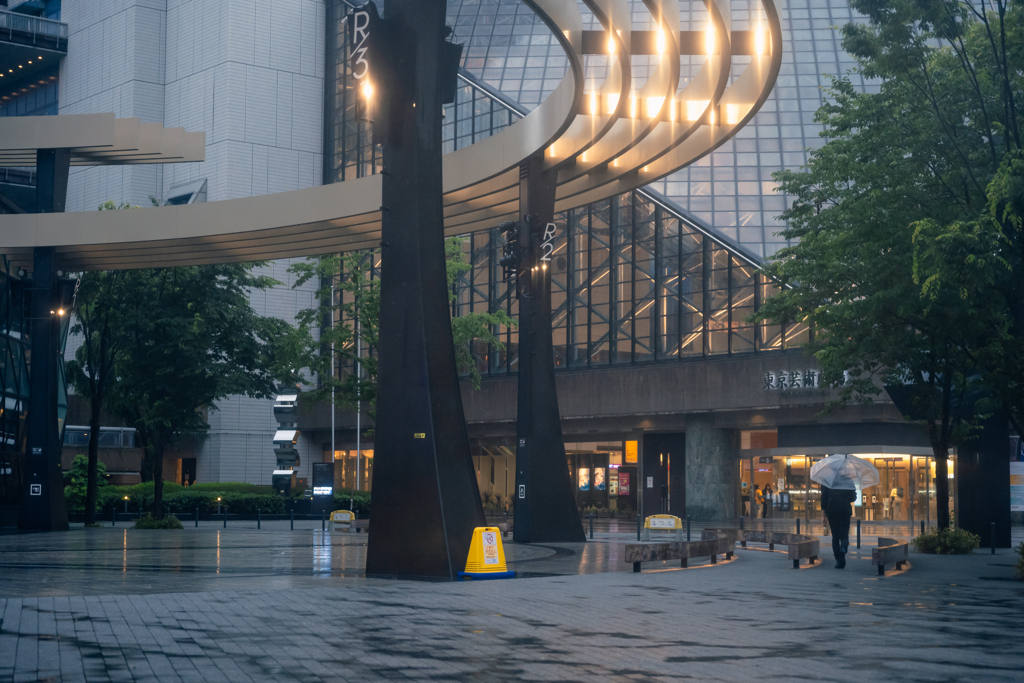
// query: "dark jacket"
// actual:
[[837, 501]]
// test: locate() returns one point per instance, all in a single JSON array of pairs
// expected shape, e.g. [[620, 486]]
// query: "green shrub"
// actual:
[[76, 480], [236, 497], [1020, 562], [358, 502], [947, 542], [168, 522], [229, 487]]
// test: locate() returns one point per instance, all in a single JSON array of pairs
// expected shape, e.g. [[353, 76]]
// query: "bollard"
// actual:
[[992, 537], [197, 518], [293, 519], [858, 534], [639, 528], [225, 519], [688, 528], [741, 523], [258, 518], [798, 525], [922, 527], [323, 521], [113, 520], [591, 526]]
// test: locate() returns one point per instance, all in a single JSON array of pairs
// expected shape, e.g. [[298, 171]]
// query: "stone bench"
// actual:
[[889, 551], [678, 550], [355, 526], [798, 546]]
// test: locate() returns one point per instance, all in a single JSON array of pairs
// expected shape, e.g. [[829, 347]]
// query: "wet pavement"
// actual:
[[275, 604]]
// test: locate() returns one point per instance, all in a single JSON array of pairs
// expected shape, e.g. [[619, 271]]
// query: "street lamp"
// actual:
[[126, 505], [218, 505]]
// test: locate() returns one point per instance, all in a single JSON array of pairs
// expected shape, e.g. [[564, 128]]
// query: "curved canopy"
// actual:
[[603, 142]]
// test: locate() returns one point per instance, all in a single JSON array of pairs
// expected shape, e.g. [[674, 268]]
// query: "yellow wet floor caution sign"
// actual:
[[486, 556]]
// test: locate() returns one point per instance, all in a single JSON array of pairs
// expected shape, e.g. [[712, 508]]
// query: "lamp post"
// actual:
[[126, 505], [218, 505]]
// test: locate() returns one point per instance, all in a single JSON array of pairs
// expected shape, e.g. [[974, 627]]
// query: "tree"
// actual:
[[76, 482], [355, 305], [902, 268], [191, 338], [92, 368]]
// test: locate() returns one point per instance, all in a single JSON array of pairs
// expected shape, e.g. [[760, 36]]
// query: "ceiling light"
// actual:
[[695, 108], [759, 40], [654, 105]]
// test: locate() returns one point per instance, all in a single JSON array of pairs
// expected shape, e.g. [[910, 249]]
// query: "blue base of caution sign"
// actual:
[[487, 575]]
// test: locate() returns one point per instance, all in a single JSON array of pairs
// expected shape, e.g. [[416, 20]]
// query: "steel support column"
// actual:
[[43, 507], [425, 497], [545, 507]]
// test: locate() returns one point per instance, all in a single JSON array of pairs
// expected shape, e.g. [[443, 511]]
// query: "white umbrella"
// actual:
[[844, 472]]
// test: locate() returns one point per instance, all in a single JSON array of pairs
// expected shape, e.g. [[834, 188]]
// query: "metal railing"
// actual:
[[12, 22]]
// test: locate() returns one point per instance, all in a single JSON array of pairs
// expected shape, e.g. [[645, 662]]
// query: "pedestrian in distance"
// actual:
[[836, 508], [767, 495], [758, 500]]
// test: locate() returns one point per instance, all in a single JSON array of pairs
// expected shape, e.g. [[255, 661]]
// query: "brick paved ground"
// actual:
[[284, 608]]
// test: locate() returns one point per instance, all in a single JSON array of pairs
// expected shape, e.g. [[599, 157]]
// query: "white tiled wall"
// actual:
[[250, 74]]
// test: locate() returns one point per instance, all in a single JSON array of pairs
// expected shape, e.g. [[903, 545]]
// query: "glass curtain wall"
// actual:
[[14, 354], [634, 279]]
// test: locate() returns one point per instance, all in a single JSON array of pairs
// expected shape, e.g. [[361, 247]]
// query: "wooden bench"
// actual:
[[889, 551], [798, 546], [678, 550]]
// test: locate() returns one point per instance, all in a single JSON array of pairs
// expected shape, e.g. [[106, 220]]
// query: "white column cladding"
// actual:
[[115, 63], [250, 74], [711, 471]]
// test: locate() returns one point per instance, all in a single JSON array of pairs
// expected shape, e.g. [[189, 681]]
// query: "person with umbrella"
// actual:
[[839, 475]]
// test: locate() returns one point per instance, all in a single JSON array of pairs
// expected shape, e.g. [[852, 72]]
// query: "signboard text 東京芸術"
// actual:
[[787, 380]]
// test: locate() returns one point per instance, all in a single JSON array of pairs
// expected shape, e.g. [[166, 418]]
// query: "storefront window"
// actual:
[[906, 490], [345, 467], [604, 475]]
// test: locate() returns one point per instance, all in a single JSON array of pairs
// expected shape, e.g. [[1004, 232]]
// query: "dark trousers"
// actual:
[[840, 524]]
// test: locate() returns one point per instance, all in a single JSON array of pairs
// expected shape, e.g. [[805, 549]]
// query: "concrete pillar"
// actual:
[[712, 476]]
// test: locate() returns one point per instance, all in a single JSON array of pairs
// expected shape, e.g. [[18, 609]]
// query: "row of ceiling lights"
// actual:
[[21, 66], [14, 93]]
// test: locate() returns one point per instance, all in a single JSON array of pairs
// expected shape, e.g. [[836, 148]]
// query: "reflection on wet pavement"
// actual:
[[274, 604]]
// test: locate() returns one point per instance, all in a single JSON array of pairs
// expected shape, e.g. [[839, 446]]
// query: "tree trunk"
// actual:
[[94, 457], [158, 478], [941, 453]]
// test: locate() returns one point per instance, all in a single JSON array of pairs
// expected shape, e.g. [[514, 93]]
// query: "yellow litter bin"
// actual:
[[662, 523], [341, 519], [486, 556]]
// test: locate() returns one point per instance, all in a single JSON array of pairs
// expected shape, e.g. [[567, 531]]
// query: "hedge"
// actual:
[[358, 503], [235, 497]]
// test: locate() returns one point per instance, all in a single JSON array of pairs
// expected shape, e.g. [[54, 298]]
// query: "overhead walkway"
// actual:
[[604, 139]]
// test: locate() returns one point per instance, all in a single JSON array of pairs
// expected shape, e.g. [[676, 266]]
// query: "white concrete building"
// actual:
[[250, 74]]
